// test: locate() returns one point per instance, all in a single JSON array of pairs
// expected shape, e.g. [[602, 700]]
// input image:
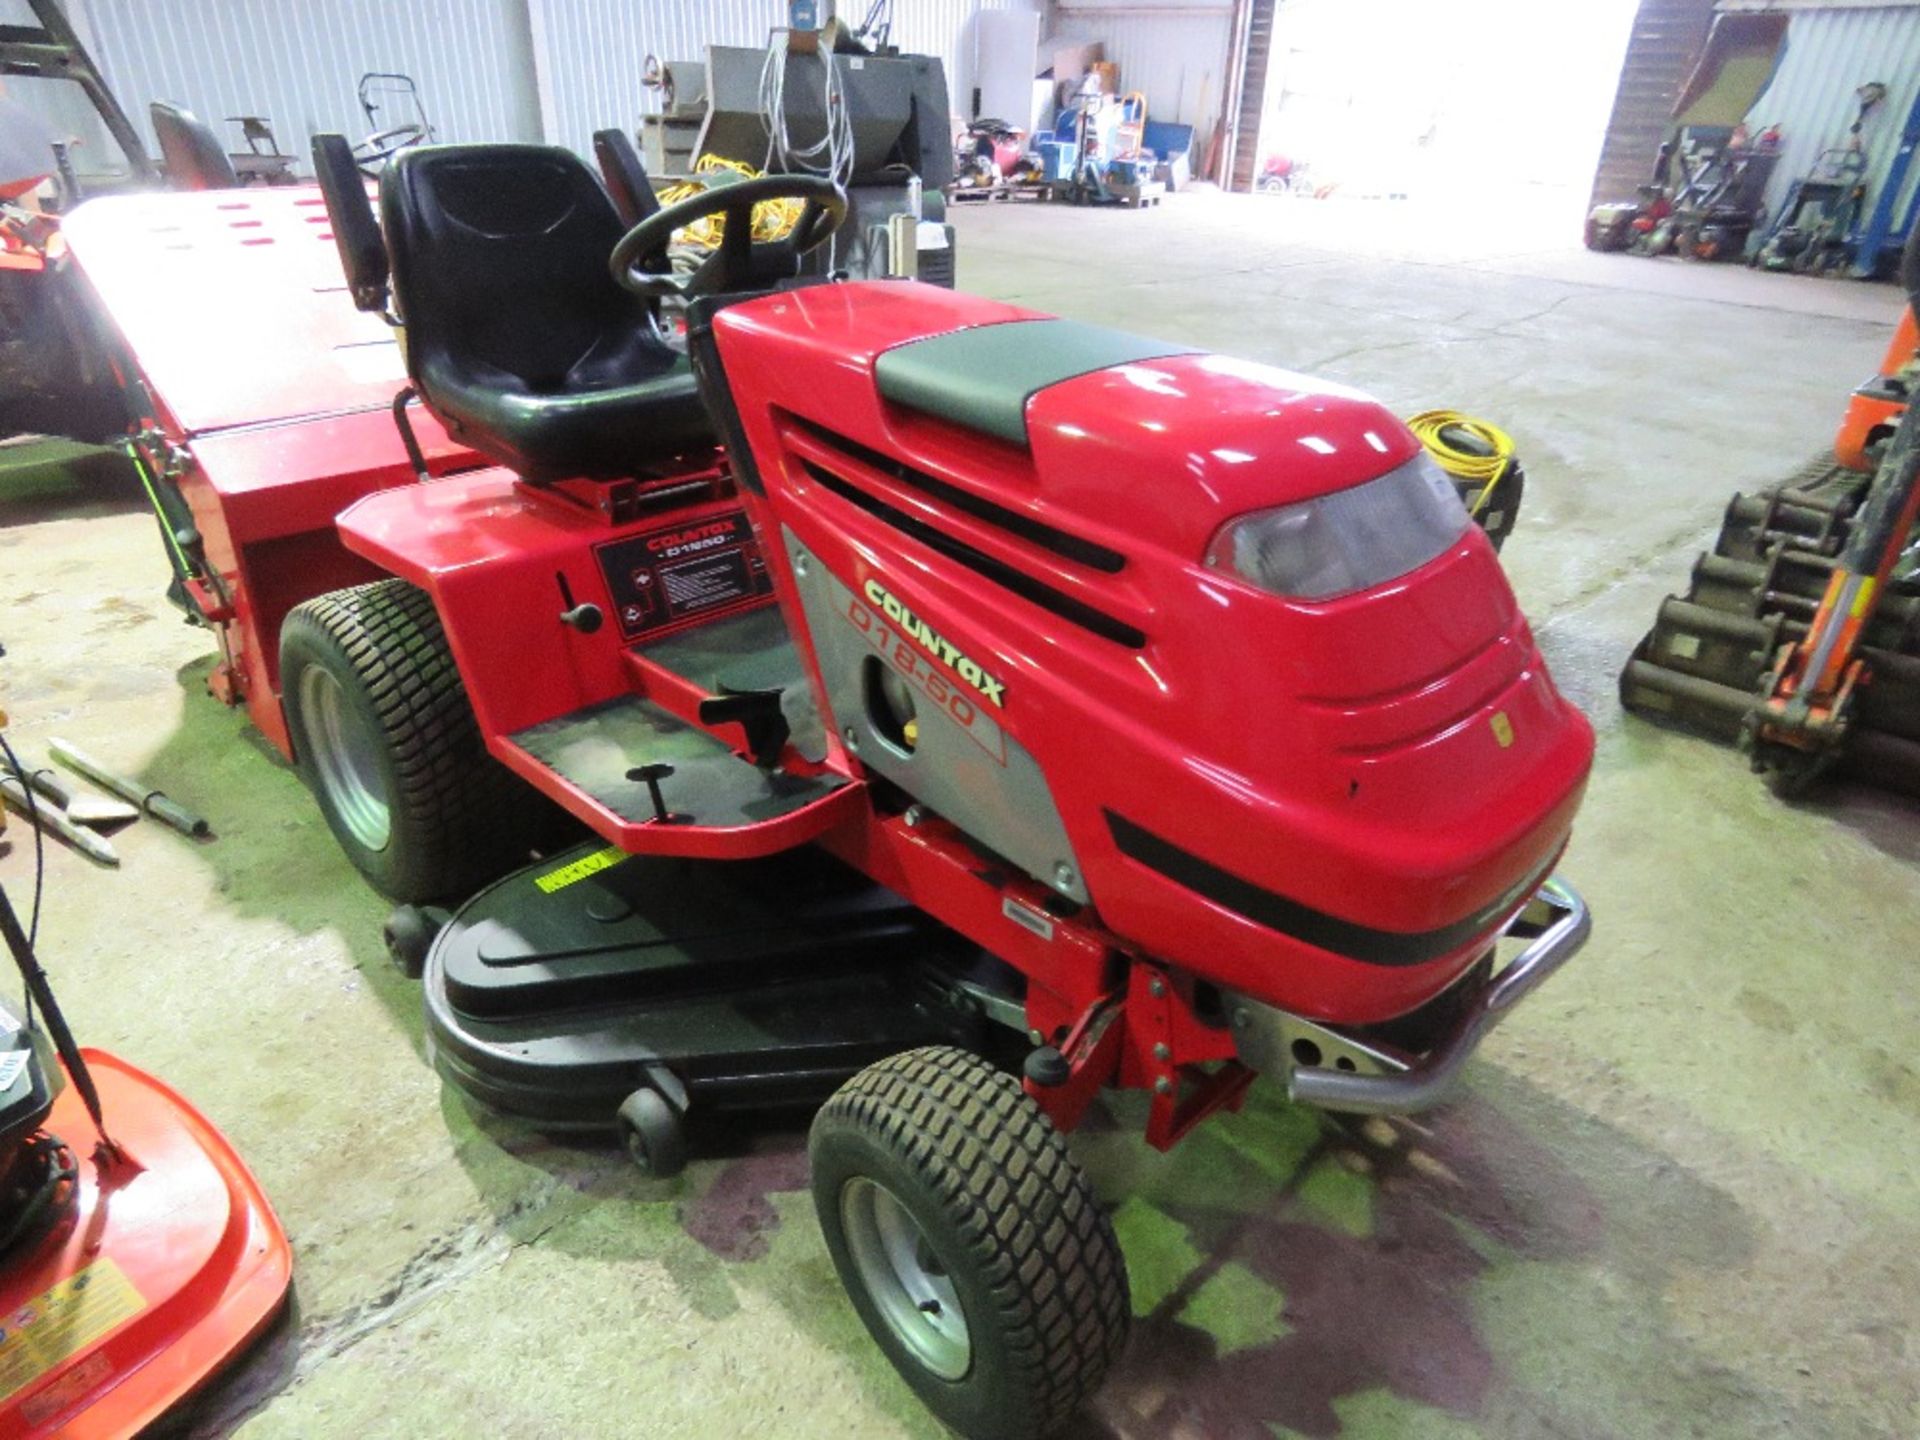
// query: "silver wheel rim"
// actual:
[[905, 1279], [345, 758]]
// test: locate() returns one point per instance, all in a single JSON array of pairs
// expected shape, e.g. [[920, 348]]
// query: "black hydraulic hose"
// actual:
[[1910, 268], [1890, 494], [1878, 530], [14, 764], [50, 1016]]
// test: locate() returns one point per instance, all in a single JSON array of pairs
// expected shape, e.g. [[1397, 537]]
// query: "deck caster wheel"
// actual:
[[970, 1242], [654, 1134], [410, 932]]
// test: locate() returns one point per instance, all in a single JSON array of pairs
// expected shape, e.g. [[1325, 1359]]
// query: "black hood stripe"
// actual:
[[1302, 922]]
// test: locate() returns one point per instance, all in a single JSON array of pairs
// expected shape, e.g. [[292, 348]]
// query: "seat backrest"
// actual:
[[499, 262], [625, 177], [190, 151]]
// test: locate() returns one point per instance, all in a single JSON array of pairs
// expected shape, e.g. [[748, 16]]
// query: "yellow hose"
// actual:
[[1482, 470], [772, 219]]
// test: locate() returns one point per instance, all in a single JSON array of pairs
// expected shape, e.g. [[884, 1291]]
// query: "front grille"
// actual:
[[989, 567]]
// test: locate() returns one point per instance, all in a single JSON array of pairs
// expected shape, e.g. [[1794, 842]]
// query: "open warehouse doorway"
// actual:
[[1494, 102]]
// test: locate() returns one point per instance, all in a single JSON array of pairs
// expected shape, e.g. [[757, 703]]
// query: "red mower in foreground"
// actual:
[[975, 711], [138, 1256]]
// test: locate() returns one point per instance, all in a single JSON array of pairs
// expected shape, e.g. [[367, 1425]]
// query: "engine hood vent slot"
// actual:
[[990, 567], [1051, 538]]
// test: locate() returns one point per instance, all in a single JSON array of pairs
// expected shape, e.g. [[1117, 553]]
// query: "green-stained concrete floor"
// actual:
[[1678, 1198]]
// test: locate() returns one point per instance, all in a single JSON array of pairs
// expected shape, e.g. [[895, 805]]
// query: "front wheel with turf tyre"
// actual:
[[385, 737], [970, 1242]]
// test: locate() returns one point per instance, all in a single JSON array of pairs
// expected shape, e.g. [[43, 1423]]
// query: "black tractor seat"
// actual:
[[981, 378], [517, 337], [192, 154]]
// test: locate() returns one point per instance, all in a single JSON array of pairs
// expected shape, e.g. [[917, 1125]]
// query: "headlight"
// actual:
[[1349, 540]]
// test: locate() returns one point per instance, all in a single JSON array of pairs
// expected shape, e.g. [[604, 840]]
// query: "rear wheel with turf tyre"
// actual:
[[384, 736], [970, 1242]]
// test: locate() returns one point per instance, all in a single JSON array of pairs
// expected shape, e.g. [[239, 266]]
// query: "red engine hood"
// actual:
[[1191, 440], [1199, 439], [1396, 762]]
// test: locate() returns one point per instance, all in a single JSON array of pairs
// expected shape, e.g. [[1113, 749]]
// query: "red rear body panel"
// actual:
[[267, 395], [233, 305]]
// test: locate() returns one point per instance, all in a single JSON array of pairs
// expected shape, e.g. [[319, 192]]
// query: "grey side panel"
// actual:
[[983, 377], [963, 763]]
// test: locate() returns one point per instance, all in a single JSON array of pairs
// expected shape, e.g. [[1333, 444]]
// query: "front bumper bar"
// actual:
[[1335, 1070]]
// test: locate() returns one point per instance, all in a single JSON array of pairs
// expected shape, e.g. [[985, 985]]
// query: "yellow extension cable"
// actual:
[[772, 219], [1482, 470]]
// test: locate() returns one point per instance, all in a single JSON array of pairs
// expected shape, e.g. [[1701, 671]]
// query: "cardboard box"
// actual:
[[1071, 61]]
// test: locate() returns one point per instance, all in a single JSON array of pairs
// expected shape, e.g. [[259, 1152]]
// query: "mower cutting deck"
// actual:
[[955, 694]]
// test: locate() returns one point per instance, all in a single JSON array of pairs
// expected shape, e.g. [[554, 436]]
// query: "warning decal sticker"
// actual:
[[579, 869], [665, 579], [58, 1324]]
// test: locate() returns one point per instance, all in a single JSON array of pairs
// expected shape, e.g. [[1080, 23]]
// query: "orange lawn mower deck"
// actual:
[[138, 1256]]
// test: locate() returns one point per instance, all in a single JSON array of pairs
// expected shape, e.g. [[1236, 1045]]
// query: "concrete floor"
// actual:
[[1679, 1198]]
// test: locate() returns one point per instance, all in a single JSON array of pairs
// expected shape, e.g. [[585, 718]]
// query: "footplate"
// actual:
[[640, 775]]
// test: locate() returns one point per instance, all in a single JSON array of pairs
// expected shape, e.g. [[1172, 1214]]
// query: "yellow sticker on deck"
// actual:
[[580, 869], [57, 1325]]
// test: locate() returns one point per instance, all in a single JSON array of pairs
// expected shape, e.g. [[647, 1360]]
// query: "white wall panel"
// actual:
[[1176, 54], [297, 61]]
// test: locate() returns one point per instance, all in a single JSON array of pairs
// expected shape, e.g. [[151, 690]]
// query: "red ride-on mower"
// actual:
[[975, 710]]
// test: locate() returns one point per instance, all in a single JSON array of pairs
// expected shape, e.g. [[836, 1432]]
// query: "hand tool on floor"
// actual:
[[154, 802], [90, 810], [54, 821]]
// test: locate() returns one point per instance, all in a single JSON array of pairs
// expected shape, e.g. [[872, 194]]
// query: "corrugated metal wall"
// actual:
[[1828, 53], [60, 104], [480, 64], [592, 50], [1175, 54], [298, 63], [1660, 51]]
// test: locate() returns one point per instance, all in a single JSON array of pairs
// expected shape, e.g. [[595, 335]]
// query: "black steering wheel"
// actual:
[[373, 153], [740, 262]]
